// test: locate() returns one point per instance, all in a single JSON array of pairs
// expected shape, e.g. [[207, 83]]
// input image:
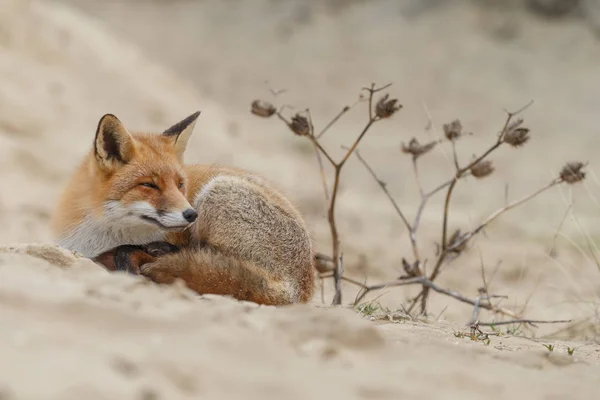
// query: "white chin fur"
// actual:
[[118, 225], [146, 214], [173, 219]]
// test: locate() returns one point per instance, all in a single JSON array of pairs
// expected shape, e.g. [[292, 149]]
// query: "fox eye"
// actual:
[[149, 185], [180, 185]]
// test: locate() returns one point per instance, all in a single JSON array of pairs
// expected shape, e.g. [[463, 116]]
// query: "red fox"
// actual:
[[133, 204]]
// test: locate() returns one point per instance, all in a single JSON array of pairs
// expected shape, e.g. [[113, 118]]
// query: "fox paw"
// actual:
[[131, 258], [158, 273]]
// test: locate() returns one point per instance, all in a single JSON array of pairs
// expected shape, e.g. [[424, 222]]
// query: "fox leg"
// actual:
[[131, 257], [206, 271]]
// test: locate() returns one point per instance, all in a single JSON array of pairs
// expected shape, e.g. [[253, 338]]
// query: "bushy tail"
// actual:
[[206, 270]]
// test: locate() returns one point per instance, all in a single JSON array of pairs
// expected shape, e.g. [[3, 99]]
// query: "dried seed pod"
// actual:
[[456, 242], [514, 125], [412, 270], [386, 108], [517, 137], [417, 149], [482, 169], [300, 125], [453, 130], [263, 108], [572, 172]]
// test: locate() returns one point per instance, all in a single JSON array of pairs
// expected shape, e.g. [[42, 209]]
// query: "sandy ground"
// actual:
[[83, 333]]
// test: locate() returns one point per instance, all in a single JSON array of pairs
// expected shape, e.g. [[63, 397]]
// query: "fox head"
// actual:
[[142, 183]]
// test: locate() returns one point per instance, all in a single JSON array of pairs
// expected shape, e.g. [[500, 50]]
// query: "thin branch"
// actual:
[[532, 322], [444, 252], [459, 173], [482, 267], [322, 171], [455, 156], [374, 90], [562, 221], [337, 273], [357, 141], [281, 117], [383, 187], [335, 246], [344, 278], [584, 322], [417, 177], [311, 137], [501, 211], [325, 153], [520, 110], [318, 155], [475, 315], [426, 282], [424, 201], [336, 118], [445, 225]]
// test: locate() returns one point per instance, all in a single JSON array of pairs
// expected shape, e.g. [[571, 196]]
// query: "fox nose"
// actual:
[[190, 215]]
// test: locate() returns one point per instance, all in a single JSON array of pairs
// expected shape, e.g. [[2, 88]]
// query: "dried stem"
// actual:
[[460, 172], [322, 172], [501, 211], [344, 278], [466, 237], [424, 199], [417, 177], [383, 187], [531, 322], [335, 119], [323, 151], [455, 156], [421, 280], [477, 306], [337, 166], [335, 246], [479, 167], [562, 221]]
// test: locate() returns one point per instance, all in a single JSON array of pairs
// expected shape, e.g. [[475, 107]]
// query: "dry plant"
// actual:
[[513, 133]]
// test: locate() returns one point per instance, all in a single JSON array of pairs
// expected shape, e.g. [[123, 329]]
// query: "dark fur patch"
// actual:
[[111, 146], [176, 129], [123, 261]]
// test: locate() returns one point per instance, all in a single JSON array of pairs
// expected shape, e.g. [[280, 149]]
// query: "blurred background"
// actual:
[[65, 63]]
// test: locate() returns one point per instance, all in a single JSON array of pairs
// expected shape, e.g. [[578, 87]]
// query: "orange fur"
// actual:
[[248, 240]]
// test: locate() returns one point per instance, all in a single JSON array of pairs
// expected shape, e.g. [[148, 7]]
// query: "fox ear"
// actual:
[[182, 131], [113, 144]]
